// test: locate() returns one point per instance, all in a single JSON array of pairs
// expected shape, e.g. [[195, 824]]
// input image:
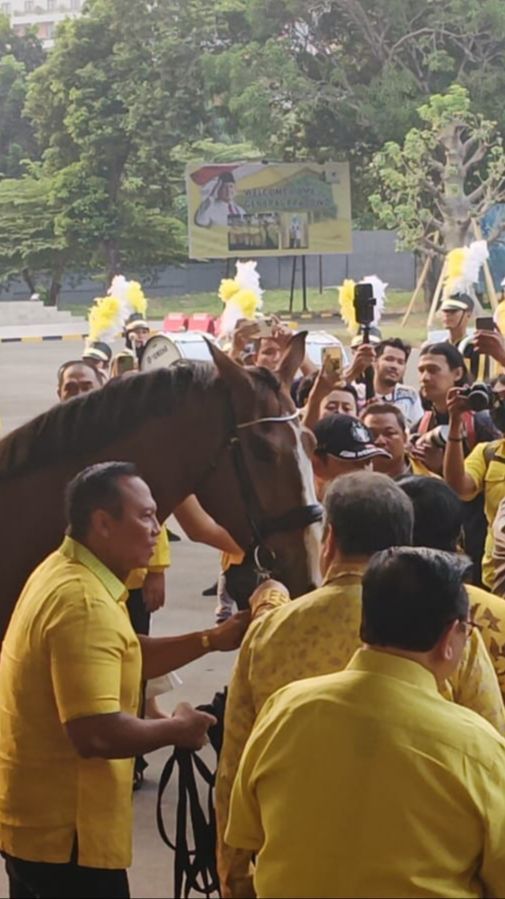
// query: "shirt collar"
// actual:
[[344, 570], [387, 663], [76, 552]]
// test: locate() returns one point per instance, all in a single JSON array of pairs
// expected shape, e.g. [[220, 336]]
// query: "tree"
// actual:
[[120, 91], [29, 245], [337, 78], [445, 175], [18, 57]]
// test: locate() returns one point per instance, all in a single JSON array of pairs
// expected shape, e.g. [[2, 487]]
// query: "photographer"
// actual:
[[441, 369], [483, 472]]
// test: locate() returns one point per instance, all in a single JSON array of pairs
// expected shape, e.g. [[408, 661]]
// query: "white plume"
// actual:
[[379, 292]]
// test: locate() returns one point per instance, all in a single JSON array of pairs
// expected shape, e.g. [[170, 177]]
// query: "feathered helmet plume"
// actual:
[[346, 300], [463, 267], [109, 315], [242, 296]]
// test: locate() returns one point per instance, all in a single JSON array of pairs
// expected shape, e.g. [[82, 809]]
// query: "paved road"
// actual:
[[27, 387]]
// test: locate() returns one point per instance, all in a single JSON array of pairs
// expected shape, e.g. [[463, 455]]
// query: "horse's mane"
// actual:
[[88, 423]]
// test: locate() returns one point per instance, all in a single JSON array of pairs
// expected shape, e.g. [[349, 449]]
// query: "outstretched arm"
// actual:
[[201, 528]]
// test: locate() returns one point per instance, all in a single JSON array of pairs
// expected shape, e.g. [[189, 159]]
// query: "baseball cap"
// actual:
[[459, 302], [347, 438]]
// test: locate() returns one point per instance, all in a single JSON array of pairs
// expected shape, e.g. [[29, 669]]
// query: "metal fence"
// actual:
[[373, 254]]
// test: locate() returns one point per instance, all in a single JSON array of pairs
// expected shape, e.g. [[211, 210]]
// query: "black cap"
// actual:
[[346, 438], [458, 302]]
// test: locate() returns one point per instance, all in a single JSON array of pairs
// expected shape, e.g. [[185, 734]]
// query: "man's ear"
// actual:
[[100, 523], [446, 645], [292, 359], [236, 378]]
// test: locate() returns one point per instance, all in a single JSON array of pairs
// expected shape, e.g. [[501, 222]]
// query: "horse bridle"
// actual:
[[262, 528]]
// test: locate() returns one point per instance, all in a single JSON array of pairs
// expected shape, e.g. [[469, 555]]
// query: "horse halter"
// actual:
[[296, 519]]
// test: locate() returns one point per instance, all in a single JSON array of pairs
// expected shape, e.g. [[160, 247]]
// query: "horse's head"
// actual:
[[266, 473]]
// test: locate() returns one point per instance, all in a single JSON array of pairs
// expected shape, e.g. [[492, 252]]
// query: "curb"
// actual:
[[45, 339]]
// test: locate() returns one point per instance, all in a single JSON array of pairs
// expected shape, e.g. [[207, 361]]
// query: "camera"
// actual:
[[479, 396], [364, 304]]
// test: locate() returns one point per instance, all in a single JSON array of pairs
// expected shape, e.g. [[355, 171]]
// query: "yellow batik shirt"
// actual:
[[489, 479], [369, 783], [69, 652], [313, 635]]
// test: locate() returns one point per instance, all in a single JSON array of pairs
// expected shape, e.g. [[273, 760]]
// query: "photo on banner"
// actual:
[[268, 209]]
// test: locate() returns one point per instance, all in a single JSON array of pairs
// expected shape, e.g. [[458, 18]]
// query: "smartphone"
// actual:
[[265, 327], [485, 323], [333, 361]]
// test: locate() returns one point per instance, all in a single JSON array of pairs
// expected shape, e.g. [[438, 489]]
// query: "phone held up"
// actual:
[[265, 327], [333, 362], [485, 323]]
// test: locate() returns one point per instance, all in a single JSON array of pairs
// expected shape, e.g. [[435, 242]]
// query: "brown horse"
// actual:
[[229, 436]]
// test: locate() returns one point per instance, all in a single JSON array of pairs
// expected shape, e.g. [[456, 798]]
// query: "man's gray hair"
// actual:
[[368, 512]]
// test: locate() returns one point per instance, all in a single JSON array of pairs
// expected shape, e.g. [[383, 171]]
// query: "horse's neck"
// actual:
[[174, 453]]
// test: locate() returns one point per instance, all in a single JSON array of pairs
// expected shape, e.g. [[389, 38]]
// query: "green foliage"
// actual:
[[444, 176], [18, 57]]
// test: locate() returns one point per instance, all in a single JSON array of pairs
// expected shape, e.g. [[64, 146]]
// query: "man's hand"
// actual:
[[325, 382], [153, 591], [281, 332], [457, 404], [490, 343], [229, 635], [245, 331], [425, 451], [363, 358], [193, 726]]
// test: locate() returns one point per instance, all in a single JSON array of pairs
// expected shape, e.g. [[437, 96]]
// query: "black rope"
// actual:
[[194, 867]]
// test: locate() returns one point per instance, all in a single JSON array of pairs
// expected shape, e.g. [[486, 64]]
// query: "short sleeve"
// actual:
[[86, 648], [475, 467], [161, 555]]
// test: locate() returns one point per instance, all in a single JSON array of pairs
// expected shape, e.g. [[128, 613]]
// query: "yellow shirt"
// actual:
[[159, 560], [69, 652], [369, 783], [489, 479], [488, 611], [315, 634]]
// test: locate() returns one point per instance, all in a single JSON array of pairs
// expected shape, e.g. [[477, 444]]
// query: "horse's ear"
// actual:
[[292, 359], [234, 375]]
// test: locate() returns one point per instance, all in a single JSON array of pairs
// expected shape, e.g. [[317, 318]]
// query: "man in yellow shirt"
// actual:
[[318, 634], [438, 523], [368, 782], [70, 673], [482, 472]]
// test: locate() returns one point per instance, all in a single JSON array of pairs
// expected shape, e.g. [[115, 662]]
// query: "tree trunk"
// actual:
[[28, 279], [55, 287], [457, 209], [112, 259]]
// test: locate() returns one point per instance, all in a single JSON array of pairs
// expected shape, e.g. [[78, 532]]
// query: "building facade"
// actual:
[[45, 15]]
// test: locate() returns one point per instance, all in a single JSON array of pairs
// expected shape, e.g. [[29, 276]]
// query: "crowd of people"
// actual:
[[363, 747]]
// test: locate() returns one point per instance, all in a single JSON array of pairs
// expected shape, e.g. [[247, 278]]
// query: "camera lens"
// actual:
[[479, 397]]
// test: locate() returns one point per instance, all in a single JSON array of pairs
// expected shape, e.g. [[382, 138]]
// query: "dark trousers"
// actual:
[[41, 880]]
